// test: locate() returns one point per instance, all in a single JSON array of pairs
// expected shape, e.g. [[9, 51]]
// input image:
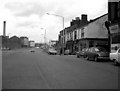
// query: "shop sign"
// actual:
[[114, 28]]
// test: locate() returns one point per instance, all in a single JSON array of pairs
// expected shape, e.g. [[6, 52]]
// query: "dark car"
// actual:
[[81, 53], [97, 53]]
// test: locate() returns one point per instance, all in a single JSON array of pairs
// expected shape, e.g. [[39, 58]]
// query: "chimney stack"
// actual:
[[84, 17], [4, 28]]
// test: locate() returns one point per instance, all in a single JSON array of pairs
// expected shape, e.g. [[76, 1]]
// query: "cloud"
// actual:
[[28, 16], [23, 9], [32, 21]]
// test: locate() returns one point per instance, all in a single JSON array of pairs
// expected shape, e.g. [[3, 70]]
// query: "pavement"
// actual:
[[25, 70]]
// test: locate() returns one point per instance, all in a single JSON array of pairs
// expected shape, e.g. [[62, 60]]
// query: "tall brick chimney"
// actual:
[[4, 28]]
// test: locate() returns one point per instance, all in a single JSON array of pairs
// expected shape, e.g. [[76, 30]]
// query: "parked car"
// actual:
[[67, 52], [115, 56], [85, 52], [52, 51], [80, 53], [97, 53]]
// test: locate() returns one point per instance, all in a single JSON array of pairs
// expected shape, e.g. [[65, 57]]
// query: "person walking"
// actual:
[[60, 51]]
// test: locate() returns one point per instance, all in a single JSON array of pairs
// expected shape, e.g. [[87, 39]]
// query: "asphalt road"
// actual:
[[25, 70]]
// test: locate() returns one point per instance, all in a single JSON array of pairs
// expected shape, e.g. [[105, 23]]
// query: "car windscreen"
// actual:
[[99, 49]]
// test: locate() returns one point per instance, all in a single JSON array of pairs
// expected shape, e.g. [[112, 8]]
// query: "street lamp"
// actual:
[[62, 21], [58, 16], [44, 37]]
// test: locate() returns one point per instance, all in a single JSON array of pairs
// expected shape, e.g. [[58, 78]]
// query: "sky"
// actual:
[[29, 17]]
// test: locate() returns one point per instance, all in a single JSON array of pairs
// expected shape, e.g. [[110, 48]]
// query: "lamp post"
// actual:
[[58, 16], [62, 24], [44, 37]]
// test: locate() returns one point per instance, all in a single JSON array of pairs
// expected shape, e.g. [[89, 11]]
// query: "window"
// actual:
[[75, 35], [82, 33]]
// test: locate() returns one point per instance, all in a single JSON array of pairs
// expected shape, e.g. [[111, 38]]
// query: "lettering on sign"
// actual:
[[114, 28]]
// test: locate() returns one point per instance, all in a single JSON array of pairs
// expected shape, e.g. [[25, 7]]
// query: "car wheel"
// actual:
[[115, 62], [78, 56], [96, 58], [84, 56], [87, 57]]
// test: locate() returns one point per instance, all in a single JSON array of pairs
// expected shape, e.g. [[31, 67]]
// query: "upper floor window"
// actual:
[[75, 35], [82, 33]]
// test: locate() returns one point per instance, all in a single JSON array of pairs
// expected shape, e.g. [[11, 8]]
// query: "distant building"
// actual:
[[0, 42], [24, 41], [52, 43], [4, 42], [31, 43], [14, 42], [38, 44]]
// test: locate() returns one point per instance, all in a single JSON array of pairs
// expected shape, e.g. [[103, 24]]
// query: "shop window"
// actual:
[[91, 43]]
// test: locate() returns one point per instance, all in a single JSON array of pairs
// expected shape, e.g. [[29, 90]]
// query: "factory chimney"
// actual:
[[4, 28]]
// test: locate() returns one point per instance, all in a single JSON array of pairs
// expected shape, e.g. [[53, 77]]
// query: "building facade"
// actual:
[[24, 41], [114, 19], [95, 33], [84, 34], [4, 42], [14, 42], [31, 44]]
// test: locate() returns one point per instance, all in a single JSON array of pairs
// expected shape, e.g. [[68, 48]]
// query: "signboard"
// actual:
[[114, 28]]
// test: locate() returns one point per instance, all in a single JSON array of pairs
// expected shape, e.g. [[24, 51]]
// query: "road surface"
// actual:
[[25, 70]]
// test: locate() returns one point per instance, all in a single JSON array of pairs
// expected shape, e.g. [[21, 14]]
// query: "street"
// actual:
[[23, 69]]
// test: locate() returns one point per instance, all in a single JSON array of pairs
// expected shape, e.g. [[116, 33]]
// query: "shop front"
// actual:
[[115, 35]]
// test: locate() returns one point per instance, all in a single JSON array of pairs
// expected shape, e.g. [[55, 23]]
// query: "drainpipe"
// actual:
[[107, 24]]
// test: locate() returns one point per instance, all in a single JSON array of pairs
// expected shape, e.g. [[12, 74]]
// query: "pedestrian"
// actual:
[[60, 51]]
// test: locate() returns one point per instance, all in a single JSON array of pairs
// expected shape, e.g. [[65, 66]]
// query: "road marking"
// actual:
[[44, 79]]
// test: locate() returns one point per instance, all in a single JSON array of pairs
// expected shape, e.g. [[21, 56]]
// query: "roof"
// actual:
[[97, 18]]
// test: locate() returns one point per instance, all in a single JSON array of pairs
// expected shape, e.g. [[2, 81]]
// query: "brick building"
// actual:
[[14, 42], [83, 34], [114, 19], [24, 41]]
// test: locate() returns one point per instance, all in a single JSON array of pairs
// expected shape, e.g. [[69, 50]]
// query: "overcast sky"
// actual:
[[29, 18]]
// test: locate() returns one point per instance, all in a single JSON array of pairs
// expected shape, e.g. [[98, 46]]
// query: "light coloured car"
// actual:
[[115, 56], [52, 51]]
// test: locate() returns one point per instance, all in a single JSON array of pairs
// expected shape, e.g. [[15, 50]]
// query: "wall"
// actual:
[[96, 29], [26, 42]]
